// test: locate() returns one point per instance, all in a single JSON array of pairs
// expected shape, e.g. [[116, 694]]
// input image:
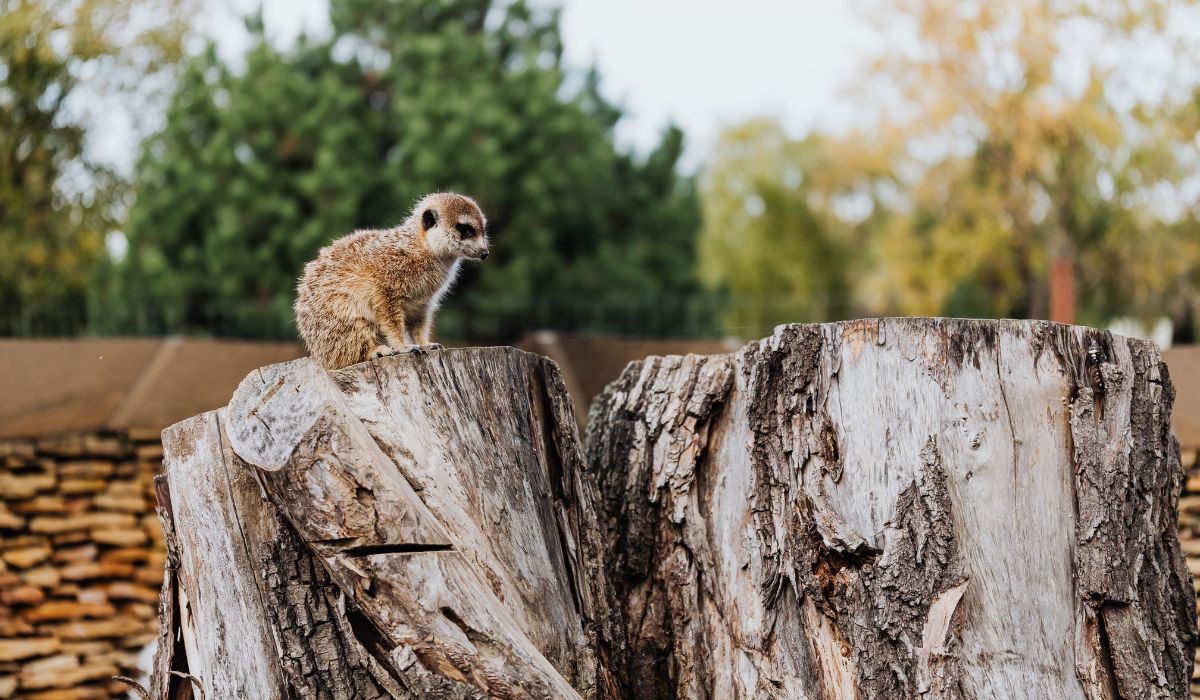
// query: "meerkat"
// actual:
[[374, 293]]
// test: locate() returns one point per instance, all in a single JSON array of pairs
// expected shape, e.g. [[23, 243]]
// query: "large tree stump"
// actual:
[[873, 509], [417, 526], [898, 509]]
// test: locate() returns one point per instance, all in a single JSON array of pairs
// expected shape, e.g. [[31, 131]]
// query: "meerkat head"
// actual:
[[453, 225]]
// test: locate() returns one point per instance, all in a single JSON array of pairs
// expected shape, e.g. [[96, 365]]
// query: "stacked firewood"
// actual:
[[1189, 534], [81, 563]]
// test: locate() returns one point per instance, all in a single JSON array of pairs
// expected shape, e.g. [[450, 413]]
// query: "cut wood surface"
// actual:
[[899, 509]]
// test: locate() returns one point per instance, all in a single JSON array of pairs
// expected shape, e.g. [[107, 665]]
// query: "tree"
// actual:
[[1031, 166], [56, 202], [783, 226], [1006, 140], [254, 171], [1177, 157]]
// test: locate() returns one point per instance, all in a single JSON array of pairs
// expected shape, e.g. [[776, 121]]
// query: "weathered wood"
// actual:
[[417, 526], [166, 649], [222, 622], [898, 509], [873, 509]]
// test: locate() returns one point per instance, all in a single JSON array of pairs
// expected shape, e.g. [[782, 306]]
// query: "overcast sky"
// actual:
[[703, 64], [699, 63]]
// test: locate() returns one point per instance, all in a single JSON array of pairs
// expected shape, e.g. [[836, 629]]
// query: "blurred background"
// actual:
[[663, 169], [661, 176]]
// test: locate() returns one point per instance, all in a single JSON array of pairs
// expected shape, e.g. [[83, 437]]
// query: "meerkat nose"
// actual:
[[483, 255]]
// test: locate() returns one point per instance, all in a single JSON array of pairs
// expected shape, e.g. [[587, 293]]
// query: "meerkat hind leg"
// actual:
[[381, 346], [347, 341]]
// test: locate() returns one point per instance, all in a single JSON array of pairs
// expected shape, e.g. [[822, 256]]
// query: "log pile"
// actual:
[[1189, 533], [81, 563]]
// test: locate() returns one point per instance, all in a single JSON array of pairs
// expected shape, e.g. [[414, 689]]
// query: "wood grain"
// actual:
[[416, 526], [899, 508]]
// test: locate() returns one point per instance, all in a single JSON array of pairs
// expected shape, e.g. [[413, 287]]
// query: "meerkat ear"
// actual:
[[428, 219]]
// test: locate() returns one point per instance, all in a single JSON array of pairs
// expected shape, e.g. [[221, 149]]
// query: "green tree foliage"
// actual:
[[56, 204], [772, 236], [1000, 147], [257, 168]]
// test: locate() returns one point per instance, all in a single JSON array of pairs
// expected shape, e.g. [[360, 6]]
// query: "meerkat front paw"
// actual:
[[382, 351], [422, 349]]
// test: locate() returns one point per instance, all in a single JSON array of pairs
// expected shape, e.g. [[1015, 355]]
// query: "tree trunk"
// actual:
[[898, 509], [417, 526], [876, 509]]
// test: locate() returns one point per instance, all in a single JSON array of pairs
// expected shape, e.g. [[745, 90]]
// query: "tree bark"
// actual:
[[873, 509], [898, 509], [417, 526]]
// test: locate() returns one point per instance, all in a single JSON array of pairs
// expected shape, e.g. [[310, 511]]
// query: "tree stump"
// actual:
[[898, 509], [872, 509], [417, 526]]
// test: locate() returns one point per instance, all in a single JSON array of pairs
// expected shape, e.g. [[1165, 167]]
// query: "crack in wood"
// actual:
[[369, 550]]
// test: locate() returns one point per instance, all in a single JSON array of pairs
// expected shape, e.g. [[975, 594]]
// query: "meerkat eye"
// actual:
[[429, 219], [465, 230]]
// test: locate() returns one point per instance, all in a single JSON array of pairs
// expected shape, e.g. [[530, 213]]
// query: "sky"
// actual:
[[788, 59], [700, 64], [729, 61]]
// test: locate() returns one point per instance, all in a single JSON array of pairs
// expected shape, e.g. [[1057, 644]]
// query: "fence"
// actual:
[[474, 319]]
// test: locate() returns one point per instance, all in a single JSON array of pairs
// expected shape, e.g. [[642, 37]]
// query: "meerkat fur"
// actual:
[[374, 292]]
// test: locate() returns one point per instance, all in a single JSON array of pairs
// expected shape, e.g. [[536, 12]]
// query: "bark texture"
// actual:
[[417, 526], [898, 508], [919, 508]]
